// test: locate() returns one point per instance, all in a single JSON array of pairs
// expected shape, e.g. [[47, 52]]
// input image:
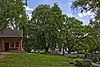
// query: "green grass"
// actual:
[[36, 60]]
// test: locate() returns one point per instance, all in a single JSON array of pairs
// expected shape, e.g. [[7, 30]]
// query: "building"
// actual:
[[11, 40]]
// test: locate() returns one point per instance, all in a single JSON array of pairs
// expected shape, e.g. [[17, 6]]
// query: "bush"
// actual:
[[95, 60], [71, 62], [78, 63]]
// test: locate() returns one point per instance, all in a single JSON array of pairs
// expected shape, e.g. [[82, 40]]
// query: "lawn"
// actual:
[[36, 60]]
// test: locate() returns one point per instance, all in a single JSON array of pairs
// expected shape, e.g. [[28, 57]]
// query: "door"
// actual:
[[7, 46]]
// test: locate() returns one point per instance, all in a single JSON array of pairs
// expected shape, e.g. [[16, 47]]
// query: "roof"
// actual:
[[11, 33]]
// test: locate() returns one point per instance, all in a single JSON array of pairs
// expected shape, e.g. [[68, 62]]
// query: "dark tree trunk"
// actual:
[[46, 49], [70, 49], [63, 51]]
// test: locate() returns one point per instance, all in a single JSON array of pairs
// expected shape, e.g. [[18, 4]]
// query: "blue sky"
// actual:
[[65, 6]]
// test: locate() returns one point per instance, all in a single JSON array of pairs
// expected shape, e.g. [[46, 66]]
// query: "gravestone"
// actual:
[[86, 62]]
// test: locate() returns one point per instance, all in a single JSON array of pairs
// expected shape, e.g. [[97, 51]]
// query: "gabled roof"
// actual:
[[11, 33]]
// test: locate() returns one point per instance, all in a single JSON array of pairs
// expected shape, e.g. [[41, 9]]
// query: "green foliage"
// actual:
[[89, 5], [45, 24], [72, 31], [12, 14], [78, 63], [49, 28], [71, 62]]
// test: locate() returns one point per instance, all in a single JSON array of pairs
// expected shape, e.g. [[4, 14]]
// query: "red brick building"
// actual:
[[11, 40]]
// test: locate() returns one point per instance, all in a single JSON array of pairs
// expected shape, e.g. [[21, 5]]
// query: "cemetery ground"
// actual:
[[36, 60]]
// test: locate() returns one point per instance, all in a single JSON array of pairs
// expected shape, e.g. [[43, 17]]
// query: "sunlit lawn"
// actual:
[[35, 60]]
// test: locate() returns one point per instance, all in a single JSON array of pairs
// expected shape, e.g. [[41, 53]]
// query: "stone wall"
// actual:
[[75, 55]]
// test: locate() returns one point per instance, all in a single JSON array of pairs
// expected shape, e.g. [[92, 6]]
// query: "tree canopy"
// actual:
[[12, 14], [50, 29], [89, 5]]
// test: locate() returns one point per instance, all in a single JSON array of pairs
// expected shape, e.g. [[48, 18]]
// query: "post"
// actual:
[[21, 45], [3, 45]]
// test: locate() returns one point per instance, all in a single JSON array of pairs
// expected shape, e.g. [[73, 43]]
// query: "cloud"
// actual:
[[27, 8], [85, 21], [88, 13], [92, 16], [80, 15], [70, 3], [71, 15]]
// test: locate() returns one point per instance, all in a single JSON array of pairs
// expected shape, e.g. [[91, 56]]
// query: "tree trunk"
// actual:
[[46, 49], [63, 51], [69, 51]]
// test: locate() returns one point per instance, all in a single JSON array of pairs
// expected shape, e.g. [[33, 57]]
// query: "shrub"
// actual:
[[95, 60], [78, 63], [71, 62]]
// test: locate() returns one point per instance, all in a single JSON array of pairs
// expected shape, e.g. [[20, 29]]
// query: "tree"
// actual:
[[40, 19], [93, 6], [71, 33], [92, 39], [46, 23], [89, 5], [58, 20], [12, 14]]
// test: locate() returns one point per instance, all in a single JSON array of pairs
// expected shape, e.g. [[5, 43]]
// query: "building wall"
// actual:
[[1, 48], [15, 44]]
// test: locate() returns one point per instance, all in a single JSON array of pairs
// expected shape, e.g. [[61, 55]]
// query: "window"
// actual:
[[12, 44], [17, 44]]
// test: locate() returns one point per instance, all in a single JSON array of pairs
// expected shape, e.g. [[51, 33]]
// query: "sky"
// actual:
[[65, 6]]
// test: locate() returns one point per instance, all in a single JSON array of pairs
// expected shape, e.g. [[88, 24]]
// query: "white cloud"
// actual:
[[88, 13], [71, 15], [92, 16], [27, 8], [70, 3], [80, 15]]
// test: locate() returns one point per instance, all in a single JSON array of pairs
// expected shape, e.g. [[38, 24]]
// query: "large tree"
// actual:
[[12, 14], [93, 6], [40, 19], [47, 23], [72, 32]]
